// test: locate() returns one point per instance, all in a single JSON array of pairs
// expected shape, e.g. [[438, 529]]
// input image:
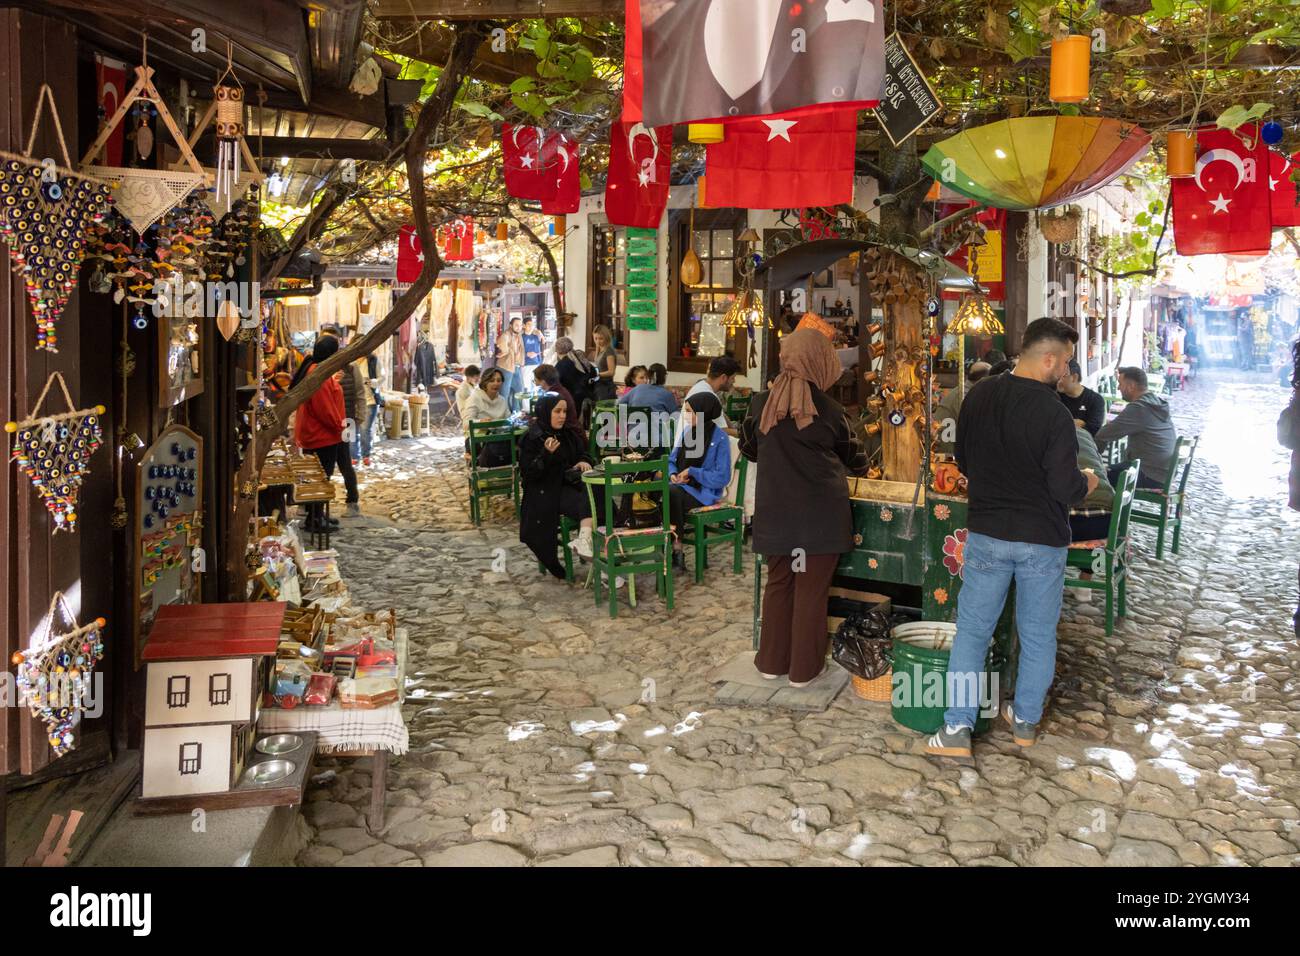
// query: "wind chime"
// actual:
[[55, 450], [55, 672], [44, 212], [230, 132]]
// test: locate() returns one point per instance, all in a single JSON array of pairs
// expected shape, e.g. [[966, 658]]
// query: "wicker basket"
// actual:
[[1062, 228], [880, 689]]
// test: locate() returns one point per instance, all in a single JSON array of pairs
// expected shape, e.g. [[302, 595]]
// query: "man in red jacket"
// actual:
[[318, 428]]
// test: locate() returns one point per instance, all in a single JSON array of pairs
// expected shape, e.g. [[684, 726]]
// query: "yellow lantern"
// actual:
[[706, 133], [503, 231], [1069, 73], [1180, 158]]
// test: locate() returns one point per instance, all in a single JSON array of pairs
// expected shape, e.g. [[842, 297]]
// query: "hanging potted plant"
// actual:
[[1060, 228]]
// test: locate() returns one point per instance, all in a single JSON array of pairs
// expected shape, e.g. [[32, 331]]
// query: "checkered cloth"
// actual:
[[347, 729], [1088, 512]]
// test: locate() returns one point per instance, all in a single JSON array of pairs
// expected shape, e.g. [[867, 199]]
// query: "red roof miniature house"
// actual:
[[207, 665]]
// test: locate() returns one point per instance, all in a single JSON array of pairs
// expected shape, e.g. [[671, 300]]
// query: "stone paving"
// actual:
[[543, 733]]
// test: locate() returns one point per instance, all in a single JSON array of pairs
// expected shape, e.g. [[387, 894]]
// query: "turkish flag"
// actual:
[[640, 162], [560, 154], [527, 173], [1282, 189], [1225, 207], [460, 240], [785, 162], [111, 77], [410, 255], [691, 60]]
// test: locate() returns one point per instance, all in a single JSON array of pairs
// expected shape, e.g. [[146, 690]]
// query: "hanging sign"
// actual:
[[642, 279], [906, 101]]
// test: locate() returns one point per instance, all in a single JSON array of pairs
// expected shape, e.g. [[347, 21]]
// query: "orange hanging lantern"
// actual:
[[706, 133], [1071, 59], [1180, 158], [699, 193], [480, 236], [503, 231], [561, 223]]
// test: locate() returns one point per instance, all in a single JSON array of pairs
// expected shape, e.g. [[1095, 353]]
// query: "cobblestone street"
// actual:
[[543, 732]]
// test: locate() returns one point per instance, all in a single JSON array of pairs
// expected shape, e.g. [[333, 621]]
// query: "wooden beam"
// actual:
[[360, 109], [317, 147], [497, 9]]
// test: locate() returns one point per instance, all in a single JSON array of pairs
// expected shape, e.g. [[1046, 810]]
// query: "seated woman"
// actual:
[[487, 404], [552, 460], [699, 465]]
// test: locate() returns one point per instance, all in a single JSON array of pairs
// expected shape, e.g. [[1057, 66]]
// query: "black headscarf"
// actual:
[[694, 450], [326, 345], [542, 414]]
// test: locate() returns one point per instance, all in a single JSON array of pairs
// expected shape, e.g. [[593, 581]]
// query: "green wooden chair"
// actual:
[[1107, 559], [737, 407], [721, 523], [630, 551], [565, 537], [497, 482], [1115, 452], [604, 417], [1162, 508]]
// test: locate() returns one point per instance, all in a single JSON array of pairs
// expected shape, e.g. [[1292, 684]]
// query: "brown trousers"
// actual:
[[794, 637]]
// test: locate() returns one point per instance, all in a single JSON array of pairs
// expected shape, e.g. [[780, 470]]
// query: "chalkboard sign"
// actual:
[[906, 101]]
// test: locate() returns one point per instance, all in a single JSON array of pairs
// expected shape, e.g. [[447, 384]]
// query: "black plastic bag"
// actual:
[[862, 644]]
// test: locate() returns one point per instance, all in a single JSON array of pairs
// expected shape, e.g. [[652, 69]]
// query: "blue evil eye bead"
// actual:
[[162, 510], [176, 449], [190, 453], [1271, 133], [150, 493], [896, 418], [153, 471], [53, 192]]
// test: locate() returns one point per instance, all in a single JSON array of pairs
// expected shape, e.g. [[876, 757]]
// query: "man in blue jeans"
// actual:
[[1017, 448]]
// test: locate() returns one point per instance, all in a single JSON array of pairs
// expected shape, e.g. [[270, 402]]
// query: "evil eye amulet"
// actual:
[[897, 418]]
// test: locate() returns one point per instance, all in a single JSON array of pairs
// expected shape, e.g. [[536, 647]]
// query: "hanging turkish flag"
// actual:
[[779, 162], [527, 173], [640, 162], [1225, 207], [560, 154], [460, 240], [1282, 190], [691, 60], [410, 255], [110, 74]]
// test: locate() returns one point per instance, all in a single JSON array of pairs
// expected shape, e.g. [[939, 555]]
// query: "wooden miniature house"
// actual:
[[207, 666]]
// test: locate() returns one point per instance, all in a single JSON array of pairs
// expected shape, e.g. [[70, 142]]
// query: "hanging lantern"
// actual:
[[1069, 73], [692, 270], [561, 223], [1180, 158], [706, 133], [230, 128], [975, 317], [480, 236], [503, 231], [699, 193]]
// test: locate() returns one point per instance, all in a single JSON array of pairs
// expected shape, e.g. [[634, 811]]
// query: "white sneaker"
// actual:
[[583, 544], [619, 581]]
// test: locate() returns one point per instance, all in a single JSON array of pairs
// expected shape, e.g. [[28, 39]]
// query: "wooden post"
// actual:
[[901, 453]]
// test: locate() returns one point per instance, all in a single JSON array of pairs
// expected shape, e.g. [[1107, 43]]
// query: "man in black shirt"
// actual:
[[1017, 448], [1087, 408]]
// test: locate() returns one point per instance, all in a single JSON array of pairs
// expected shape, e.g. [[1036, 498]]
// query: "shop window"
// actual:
[[696, 333], [219, 689], [608, 286], [178, 692], [191, 758]]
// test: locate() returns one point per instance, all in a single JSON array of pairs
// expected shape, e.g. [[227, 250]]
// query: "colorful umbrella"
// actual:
[[1034, 162]]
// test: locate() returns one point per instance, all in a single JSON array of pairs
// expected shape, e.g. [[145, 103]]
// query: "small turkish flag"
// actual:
[[640, 162], [560, 154], [1282, 189], [527, 173], [1225, 207], [410, 255], [785, 161], [460, 240]]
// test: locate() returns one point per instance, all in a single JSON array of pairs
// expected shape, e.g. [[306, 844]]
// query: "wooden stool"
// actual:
[[397, 414], [420, 420]]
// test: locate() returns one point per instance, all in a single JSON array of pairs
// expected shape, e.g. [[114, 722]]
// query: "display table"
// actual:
[[354, 732]]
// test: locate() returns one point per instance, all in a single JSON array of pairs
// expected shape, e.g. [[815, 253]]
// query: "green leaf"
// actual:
[[1142, 219], [542, 47], [1069, 109], [1224, 6], [1234, 116], [523, 85], [1156, 207], [585, 181], [1022, 45], [1161, 9]]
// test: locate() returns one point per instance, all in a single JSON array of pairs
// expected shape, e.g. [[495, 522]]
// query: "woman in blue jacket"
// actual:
[[700, 463]]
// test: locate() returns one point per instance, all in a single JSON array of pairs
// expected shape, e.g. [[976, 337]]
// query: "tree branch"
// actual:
[[551, 265]]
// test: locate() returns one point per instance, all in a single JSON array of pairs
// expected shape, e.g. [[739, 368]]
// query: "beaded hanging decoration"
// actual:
[[44, 212], [55, 450], [55, 672]]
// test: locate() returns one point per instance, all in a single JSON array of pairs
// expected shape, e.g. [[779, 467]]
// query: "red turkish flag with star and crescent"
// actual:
[[459, 246], [1225, 207], [560, 154], [528, 174], [785, 162], [410, 254], [640, 163], [1282, 189]]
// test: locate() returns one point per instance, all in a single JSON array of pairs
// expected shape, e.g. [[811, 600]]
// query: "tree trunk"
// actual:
[[554, 269], [273, 421]]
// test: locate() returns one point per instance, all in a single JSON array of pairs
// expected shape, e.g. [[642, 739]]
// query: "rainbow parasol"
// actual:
[[1033, 162]]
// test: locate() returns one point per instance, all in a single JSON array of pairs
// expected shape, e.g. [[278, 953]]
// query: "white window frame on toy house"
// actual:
[[173, 695], [219, 697], [196, 760]]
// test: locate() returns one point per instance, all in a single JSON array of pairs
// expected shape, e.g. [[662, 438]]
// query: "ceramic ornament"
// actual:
[[55, 452]]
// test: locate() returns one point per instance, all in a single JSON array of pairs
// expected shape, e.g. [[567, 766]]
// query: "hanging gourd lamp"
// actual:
[[503, 231], [1180, 154], [691, 270], [706, 133], [1069, 74]]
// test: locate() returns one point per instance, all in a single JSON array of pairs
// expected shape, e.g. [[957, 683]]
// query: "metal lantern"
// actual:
[[706, 133], [1071, 58], [975, 317], [1180, 158]]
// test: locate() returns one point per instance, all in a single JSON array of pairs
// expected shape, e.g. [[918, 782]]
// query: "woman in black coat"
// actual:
[[552, 460]]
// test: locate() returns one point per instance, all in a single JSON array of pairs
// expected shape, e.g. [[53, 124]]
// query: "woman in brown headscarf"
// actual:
[[802, 518]]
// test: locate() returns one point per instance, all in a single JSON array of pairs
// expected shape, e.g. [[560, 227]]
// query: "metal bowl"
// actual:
[[278, 744], [271, 771]]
